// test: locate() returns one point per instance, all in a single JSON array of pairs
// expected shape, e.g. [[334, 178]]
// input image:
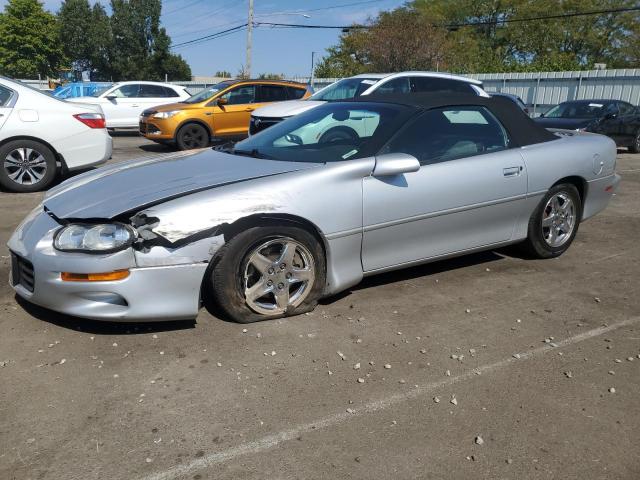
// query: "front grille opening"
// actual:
[[22, 272]]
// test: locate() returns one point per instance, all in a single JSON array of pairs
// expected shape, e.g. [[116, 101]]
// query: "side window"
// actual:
[[126, 91], [626, 108], [169, 92], [445, 134], [271, 93], [5, 96], [296, 93], [397, 85], [152, 91], [241, 95], [440, 85], [611, 108]]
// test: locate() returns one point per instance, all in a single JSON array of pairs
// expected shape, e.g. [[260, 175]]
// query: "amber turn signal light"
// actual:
[[94, 277]]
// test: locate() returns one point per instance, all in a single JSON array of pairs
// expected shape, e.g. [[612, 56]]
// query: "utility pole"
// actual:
[[249, 32], [312, 69]]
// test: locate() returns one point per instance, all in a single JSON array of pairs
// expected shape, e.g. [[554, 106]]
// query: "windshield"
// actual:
[[207, 93], [330, 133], [346, 89], [578, 110], [100, 91]]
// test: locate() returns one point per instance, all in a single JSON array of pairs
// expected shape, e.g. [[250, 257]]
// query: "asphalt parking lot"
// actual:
[[488, 366]]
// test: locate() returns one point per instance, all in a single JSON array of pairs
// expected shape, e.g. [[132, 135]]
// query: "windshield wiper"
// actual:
[[254, 152]]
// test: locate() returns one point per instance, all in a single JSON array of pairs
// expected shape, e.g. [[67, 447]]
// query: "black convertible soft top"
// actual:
[[522, 129]]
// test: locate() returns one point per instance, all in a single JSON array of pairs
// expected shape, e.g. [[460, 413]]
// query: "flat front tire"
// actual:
[[554, 223], [268, 272], [27, 166]]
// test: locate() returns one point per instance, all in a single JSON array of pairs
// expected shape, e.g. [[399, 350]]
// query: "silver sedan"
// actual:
[[307, 208]]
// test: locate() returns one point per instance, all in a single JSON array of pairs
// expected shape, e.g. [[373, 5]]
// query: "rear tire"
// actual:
[[192, 135], [554, 223], [26, 166], [635, 146], [238, 271]]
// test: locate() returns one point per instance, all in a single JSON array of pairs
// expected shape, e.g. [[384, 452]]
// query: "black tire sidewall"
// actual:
[[41, 148], [635, 145], [181, 132], [227, 290], [535, 241]]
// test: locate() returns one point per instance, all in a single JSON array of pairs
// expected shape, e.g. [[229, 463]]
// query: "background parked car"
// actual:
[[219, 112], [39, 134], [367, 84], [614, 118], [514, 98], [125, 101], [79, 89]]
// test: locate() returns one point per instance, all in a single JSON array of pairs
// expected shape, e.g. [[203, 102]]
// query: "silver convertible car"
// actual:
[[308, 208]]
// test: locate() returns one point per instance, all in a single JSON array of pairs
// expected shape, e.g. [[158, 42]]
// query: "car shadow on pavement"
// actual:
[[102, 327]]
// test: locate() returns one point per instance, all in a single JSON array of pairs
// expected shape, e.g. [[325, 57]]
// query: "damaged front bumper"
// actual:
[[149, 293]]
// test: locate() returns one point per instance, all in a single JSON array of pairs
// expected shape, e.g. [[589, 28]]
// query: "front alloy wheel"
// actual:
[[268, 271], [279, 275], [27, 166]]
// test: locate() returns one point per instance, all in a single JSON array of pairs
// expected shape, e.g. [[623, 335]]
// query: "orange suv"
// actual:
[[220, 112]]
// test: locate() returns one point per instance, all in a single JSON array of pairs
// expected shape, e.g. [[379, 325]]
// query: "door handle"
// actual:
[[249, 109], [511, 171], [135, 105]]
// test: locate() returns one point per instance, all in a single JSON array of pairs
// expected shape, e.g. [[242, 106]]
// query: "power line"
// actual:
[[212, 36], [462, 24], [321, 8]]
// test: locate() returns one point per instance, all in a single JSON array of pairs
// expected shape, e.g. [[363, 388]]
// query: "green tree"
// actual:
[[140, 47], [29, 41], [223, 74], [271, 76], [87, 36]]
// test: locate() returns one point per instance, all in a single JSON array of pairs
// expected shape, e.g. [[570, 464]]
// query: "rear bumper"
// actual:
[[88, 149], [599, 194]]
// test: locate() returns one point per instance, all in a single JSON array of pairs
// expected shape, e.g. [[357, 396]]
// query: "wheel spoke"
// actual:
[[282, 297], [259, 289], [287, 254], [547, 222], [261, 263], [35, 175], [14, 176], [301, 275]]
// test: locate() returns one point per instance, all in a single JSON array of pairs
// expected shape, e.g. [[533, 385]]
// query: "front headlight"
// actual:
[[164, 115], [101, 238]]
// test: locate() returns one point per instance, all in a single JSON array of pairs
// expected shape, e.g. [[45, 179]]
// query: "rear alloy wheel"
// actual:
[[268, 272], [635, 146], [27, 166], [192, 135], [555, 221]]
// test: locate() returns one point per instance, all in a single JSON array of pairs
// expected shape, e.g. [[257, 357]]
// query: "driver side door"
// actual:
[[468, 193], [232, 118]]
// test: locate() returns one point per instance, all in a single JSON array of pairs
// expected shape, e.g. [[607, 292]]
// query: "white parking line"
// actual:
[[273, 440]]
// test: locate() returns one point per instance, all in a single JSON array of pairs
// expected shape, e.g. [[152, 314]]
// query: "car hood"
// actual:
[[286, 109], [124, 187], [564, 123], [168, 107]]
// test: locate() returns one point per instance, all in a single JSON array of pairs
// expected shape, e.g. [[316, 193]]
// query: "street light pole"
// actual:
[[249, 40]]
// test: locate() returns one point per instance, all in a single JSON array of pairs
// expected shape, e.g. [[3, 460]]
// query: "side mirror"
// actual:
[[111, 97], [541, 115], [221, 101], [395, 164], [610, 116]]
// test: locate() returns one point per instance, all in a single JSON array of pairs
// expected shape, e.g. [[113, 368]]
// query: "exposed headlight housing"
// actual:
[[164, 115], [92, 238]]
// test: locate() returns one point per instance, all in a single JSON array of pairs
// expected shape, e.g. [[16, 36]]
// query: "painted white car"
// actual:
[[366, 84], [124, 102], [41, 135]]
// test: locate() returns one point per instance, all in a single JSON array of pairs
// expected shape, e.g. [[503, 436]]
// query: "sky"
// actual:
[[275, 50]]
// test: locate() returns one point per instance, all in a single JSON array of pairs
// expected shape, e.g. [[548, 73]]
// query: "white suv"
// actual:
[[366, 84], [40, 135], [124, 102]]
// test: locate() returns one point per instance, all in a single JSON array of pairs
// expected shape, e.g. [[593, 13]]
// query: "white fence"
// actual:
[[539, 90]]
